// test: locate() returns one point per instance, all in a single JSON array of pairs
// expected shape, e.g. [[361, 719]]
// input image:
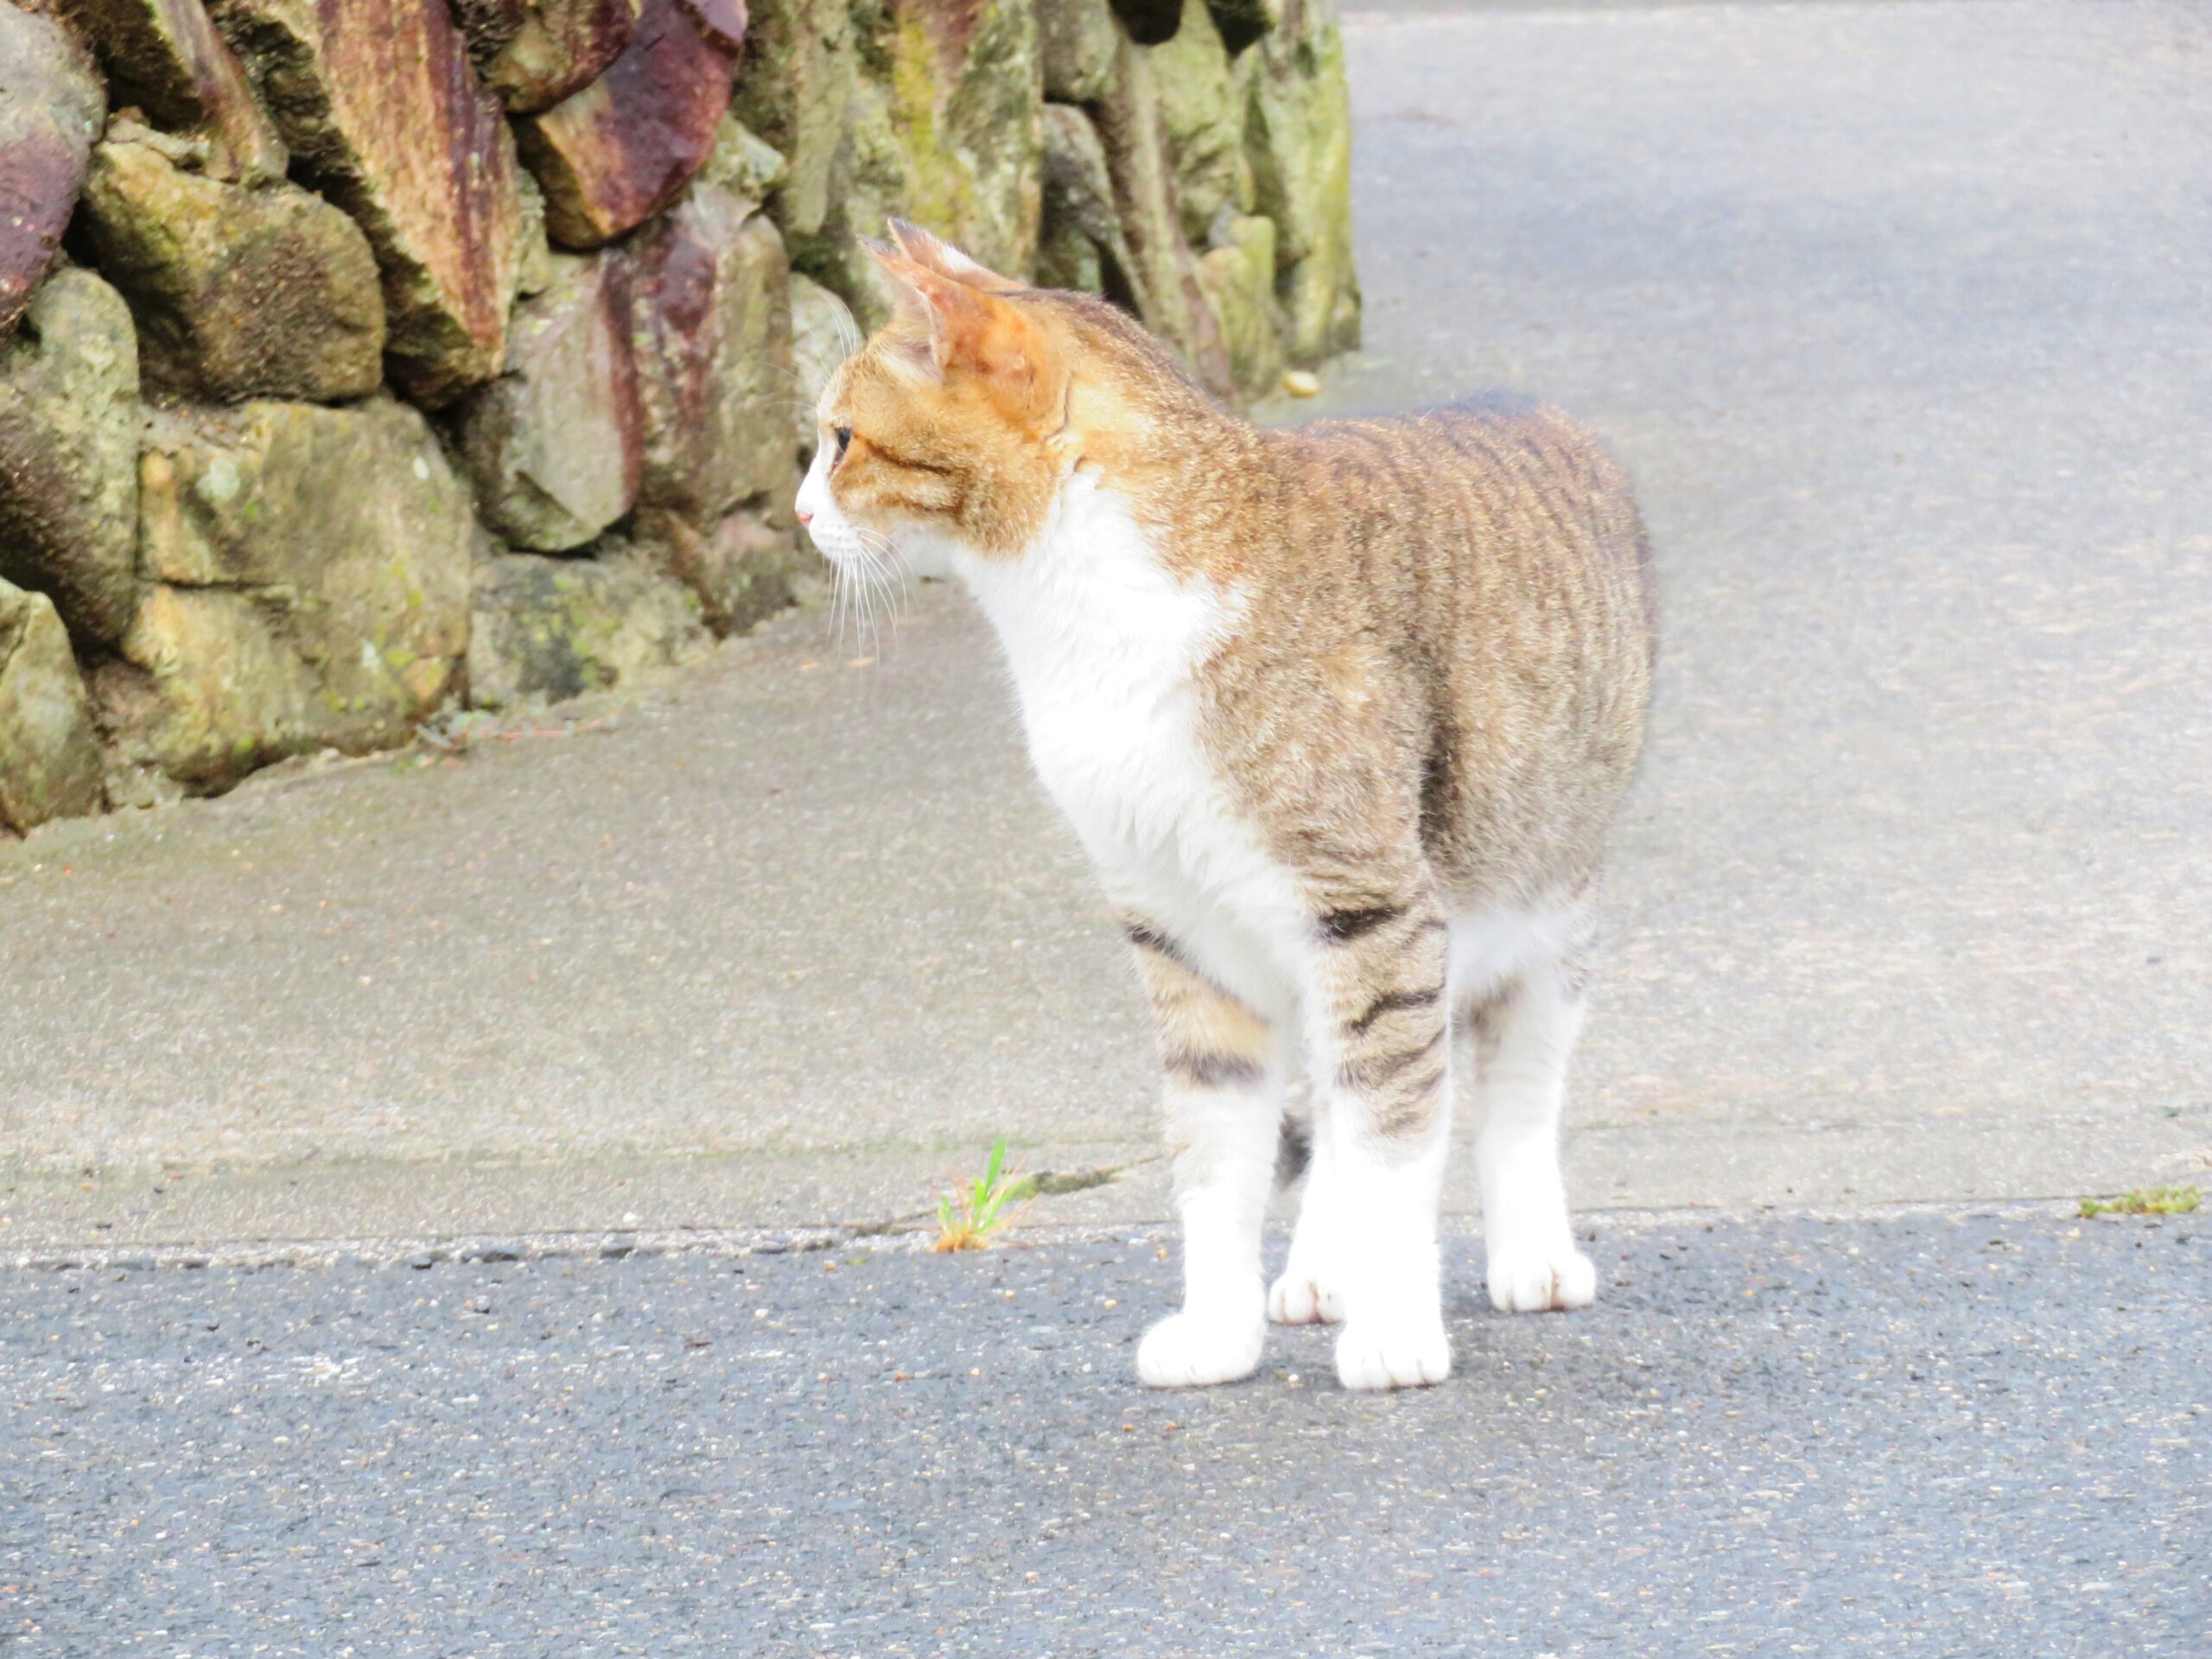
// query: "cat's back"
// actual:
[[1495, 549], [1498, 478]]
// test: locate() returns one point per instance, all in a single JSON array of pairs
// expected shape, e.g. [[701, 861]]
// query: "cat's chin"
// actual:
[[926, 556]]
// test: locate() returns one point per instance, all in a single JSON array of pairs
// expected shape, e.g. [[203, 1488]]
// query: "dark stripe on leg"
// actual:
[[1210, 1071], [1367, 1072], [1145, 936], [1342, 927], [1390, 1002]]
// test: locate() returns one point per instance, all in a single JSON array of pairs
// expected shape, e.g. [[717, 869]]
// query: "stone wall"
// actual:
[[361, 360]]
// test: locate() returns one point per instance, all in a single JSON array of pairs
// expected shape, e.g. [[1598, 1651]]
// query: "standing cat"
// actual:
[[1341, 714]]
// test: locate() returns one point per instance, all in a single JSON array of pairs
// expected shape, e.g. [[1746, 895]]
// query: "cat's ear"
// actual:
[[947, 327], [932, 253]]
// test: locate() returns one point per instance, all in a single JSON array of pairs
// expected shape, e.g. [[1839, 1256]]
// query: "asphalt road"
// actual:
[[1927, 1433]]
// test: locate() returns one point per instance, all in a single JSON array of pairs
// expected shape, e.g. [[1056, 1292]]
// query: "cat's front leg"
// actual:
[[1224, 1108], [1378, 1024]]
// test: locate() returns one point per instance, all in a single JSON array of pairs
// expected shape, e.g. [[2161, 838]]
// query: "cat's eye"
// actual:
[[844, 436]]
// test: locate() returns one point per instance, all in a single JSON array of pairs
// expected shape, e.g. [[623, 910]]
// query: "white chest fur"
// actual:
[[1103, 641]]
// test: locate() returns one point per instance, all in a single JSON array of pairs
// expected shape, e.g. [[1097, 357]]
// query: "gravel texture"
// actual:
[[1927, 1433]]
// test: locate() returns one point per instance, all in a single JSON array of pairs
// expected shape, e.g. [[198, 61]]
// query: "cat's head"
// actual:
[[959, 420]]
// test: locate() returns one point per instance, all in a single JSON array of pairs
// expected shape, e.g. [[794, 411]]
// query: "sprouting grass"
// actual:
[[2147, 1201], [968, 1215]]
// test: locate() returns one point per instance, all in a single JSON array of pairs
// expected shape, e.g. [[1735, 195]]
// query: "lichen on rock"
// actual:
[[164, 58], [1298, 133], [49, 755], [238, 292], [307, 586], [544, 629]]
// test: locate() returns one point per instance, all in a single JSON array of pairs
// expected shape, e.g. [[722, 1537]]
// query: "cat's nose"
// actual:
[[805, 517]]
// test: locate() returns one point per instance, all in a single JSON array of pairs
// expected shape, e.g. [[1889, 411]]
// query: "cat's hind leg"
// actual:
[[1377, 1034], [1520, 1033], [1222, 1107], [1308, 1292]]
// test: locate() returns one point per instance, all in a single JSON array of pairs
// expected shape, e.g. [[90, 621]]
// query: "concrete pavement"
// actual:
[[1896, 311]]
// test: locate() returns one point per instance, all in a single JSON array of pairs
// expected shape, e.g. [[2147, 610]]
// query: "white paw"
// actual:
[[1300, 1297], [1402, 1352], [1190, 1351], [1536, 1279]]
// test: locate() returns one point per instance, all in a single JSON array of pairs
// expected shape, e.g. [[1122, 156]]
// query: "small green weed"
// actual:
[[2147, 1201], [968, 1216]]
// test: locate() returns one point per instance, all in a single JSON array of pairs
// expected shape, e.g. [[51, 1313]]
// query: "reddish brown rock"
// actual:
[[535, 53], [623, 148], [553, 444], [52, 106], [721, 21], [165, 57], [710, 330], [380, 106]]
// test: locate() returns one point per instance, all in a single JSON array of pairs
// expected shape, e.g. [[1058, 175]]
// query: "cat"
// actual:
[[1341, 715]]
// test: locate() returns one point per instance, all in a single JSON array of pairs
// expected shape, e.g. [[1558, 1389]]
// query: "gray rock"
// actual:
[[1132, 130], [49, 758], [1149, 23], [555, 444], [1240, 22], [740, 569], [795, 93], [51, 108], [238, 292], [69, 431], [1202, 105], [823, 334], [947, 130], [542, 630], [1076, 40], [1238, 275], [534, 252], [1083, 245], [745, 164], [1298, 127]]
